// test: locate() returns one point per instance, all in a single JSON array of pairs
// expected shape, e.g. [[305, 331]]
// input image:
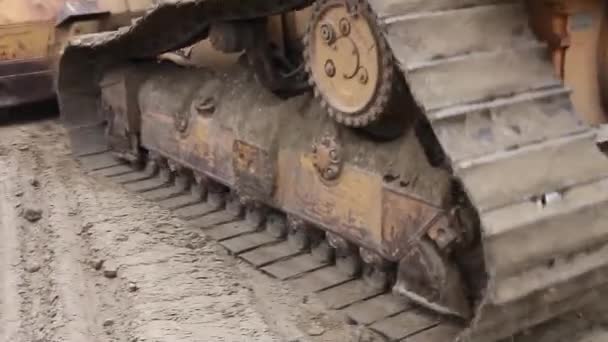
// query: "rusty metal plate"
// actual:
[[404, 220], [24, 41], [338, 205], [254, 171]]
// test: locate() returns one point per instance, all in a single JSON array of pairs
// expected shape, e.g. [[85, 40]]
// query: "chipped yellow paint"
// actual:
[[354, 200], [24, 41]]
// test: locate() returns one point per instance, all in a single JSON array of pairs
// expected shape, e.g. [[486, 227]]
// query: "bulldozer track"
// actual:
[[386, 316], [527, 162], [529, 165]]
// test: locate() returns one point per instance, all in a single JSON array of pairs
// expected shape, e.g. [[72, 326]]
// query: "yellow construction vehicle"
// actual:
[[33, 34], [450, 156]]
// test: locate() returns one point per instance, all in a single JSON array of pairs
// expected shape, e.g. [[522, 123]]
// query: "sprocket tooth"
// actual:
[[367, 101]]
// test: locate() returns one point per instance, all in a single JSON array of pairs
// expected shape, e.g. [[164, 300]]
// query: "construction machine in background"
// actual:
[[445, 150], [33, 34]]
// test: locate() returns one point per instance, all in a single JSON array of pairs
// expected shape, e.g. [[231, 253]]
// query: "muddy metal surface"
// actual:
[[81, 259]]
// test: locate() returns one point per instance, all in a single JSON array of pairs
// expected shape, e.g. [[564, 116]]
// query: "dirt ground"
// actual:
[[94, 263], [83, 260]]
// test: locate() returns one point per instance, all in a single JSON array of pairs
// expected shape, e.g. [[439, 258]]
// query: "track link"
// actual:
[[262, 239]]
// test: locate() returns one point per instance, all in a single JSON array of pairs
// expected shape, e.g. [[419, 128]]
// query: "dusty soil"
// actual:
[[83, 260]]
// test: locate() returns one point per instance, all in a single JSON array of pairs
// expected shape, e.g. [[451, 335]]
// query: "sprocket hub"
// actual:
[[348, 62]]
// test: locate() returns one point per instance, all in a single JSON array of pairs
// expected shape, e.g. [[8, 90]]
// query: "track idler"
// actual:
[[352, 70]]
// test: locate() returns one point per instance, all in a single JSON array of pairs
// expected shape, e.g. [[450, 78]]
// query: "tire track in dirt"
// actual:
[[54, 292]]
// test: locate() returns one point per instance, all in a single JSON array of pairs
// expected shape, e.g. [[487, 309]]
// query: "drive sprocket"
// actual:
[[349, 63]]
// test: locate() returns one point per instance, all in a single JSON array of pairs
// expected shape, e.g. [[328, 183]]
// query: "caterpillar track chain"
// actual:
[[527, 162], [483, 84], [277, 245]]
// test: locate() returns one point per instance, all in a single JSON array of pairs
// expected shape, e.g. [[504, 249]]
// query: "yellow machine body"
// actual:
[[444, 150], [33, 32]]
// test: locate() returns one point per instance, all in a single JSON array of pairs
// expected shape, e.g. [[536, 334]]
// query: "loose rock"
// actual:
[[32, 215], [85, 228], [110, 270], [97, 264], [33, 268], [133, 287], [315, 331], [34, 182], [122, 237], [108, 323]]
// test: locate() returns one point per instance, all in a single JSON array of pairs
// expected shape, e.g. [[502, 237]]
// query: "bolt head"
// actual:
[[330, 68], [333, 154], [344, 26], [327, 33]]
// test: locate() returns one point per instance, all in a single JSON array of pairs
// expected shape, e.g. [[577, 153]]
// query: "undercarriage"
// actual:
[[449, 168]]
